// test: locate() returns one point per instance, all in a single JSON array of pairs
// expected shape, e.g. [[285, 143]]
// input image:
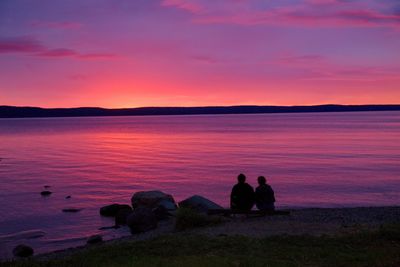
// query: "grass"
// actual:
[[373, 248], [188, 219]]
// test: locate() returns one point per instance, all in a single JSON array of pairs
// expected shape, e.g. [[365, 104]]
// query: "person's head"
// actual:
[[261, 180], [241, 178]]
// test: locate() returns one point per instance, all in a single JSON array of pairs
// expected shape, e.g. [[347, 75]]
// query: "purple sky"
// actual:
[[120, 53]]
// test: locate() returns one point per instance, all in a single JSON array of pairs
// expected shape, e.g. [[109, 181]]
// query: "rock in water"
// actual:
[[122, 216], [142, 220], [23, 251], [94, 239], [71, 210], [153, 199], [109, 227], [46, 193], [199, 203], [112, 210]]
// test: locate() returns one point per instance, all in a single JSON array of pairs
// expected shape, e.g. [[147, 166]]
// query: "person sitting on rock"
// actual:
[[265, 197], [242, 195]]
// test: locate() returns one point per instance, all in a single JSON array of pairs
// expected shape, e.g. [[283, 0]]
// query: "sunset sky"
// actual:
[[131, 53]]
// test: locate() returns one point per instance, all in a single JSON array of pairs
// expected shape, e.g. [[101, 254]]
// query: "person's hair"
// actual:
[[261, 180], [241, 178]]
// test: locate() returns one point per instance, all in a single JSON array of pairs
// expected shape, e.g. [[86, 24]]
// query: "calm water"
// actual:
[[317, 159]]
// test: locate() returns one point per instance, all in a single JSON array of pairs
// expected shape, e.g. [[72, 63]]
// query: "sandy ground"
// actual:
[[307, 221]]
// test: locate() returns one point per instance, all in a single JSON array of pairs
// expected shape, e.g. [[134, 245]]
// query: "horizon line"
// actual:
[[205, 106]]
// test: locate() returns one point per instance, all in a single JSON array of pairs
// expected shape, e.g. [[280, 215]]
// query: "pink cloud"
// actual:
[[324, 2], [309, 13], [300, 60], [351, 18], [97, 56], [32, 47], [60, 52], [190, 6], [316, 67], [20, 45], [358, 18], [369, 16]]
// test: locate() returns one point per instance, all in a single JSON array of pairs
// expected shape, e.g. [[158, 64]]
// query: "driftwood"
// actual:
[[227, 212]]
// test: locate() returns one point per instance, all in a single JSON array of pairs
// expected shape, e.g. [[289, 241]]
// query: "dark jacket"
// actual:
[[242, 197], [265, 197]]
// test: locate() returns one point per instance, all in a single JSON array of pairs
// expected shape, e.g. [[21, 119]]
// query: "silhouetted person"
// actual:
[[242, 196], [265, 197]]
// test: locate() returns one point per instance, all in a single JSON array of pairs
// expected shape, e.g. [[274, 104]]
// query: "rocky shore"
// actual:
[[153, 214], [308, 221]]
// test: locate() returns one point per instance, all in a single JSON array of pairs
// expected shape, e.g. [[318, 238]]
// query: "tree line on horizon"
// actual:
[[29, 112]]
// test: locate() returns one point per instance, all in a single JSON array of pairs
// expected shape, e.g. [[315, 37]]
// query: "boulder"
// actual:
[[73, 210], [161, 213], [167, 204], [199, 203], [141, 220], [112, 210], [22, 251], [94, 239], [122, 216], [153, 199]]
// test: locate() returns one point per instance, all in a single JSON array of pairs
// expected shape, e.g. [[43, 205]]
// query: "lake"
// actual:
[[310, 159]]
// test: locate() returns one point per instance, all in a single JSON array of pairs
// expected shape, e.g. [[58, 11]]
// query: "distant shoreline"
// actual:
[[36, 112]]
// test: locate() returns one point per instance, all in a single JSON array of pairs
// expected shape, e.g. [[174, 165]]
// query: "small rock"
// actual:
[[67, 197], [109, 227], [94, 239], [71, 210], [142, 220], [112, 210], [23, 251], [46, 193]]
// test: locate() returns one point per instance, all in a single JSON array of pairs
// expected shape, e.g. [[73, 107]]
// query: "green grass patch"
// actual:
[[372, 248]]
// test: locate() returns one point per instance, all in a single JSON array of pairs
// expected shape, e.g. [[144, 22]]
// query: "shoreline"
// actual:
[[305, 221], [38, 112]]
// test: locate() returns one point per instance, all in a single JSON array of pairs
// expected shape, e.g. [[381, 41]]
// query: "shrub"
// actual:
[[390, 231]]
